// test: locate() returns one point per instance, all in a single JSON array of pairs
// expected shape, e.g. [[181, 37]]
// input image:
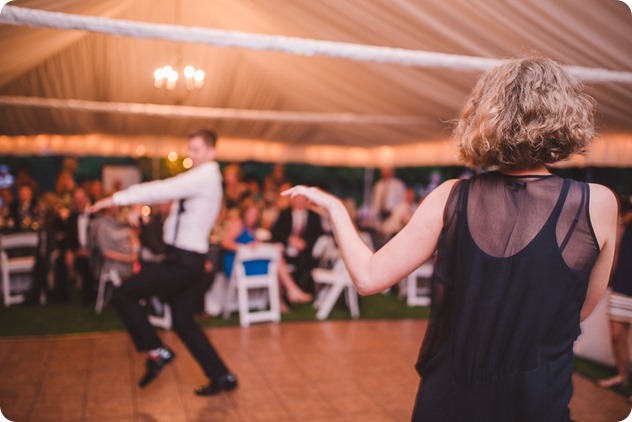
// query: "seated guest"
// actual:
[[95, 190], [244, 231], [234, 187], [387, 193], [298, 228], [76, 250], [152, 244], [117, 242], [25, 211], [401, 214], [6, 220], [272, 183], [48, 224], [253, 187], [272, 209]]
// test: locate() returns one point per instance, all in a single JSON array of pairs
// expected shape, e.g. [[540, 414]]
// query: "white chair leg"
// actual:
[[214, 298], [242, 303], [402, 288], [100, 296], [329, 301], [275, 302], [352, 301], [231, 297], [5, 285], [164, 321]]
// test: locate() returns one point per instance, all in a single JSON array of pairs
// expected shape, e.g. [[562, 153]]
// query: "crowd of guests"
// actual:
[[78, 245], [73, 244]]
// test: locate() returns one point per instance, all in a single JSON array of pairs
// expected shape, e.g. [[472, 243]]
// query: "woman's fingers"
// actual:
[[295, 190], [314, 195]]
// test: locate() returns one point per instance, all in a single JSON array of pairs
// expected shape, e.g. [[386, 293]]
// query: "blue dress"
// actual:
[[256, 267]]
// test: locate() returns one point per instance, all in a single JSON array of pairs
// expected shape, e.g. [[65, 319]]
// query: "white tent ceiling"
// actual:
[[360, 113]]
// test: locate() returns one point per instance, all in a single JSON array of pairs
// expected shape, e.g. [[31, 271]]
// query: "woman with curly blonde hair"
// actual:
[[522, 255]]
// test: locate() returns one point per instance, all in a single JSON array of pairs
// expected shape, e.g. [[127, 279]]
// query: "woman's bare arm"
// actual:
[[603, 213]]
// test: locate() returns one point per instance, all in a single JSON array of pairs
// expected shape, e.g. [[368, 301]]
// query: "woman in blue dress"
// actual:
[[246, 231]]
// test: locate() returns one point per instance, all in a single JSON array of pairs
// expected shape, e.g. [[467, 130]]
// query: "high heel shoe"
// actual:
[[299, 296]]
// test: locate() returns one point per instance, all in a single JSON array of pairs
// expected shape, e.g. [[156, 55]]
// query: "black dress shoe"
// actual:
[[224, 383], [155, 365]]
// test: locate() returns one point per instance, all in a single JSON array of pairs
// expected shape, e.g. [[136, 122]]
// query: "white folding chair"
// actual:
[[16, 265], [215, 296], [416, 294], [266, 286], [163, 321], [334, 281], [106, 275], [325, 251], [257, 298]]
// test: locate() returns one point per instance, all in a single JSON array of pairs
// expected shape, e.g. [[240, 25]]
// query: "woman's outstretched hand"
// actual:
[[315, 195]]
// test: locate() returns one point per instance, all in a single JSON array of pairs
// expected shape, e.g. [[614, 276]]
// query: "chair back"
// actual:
[[267, 282], [16, 265], [259, 252], [19, 240]]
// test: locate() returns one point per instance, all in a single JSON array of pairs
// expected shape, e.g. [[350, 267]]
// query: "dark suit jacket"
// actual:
[[72, 232], [283, 228], [32, 212]]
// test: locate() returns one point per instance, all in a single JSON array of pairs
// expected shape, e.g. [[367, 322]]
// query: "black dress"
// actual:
[[512, 270]]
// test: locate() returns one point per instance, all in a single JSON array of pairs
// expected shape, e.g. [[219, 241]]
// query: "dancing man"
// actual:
[[197, 198]]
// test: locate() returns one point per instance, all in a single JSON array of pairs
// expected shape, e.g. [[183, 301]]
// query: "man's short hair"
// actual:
[[209, 136]]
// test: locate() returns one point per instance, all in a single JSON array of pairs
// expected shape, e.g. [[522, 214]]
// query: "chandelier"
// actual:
[[168, 77]]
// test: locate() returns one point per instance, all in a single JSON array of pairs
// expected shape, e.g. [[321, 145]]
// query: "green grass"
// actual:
[[73, 317]]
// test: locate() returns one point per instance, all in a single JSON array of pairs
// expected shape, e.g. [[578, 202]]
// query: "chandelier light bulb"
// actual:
[[167, 76], [159, 75], [199, 75], [199, 78], [189, 71], [173, 76]]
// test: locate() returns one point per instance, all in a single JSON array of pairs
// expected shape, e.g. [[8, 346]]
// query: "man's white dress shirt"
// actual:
[[200, 187]]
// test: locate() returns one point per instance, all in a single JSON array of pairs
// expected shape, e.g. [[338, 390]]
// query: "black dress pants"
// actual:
[[174, 280]]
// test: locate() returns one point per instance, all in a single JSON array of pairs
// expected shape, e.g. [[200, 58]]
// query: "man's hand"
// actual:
[[101, 204]]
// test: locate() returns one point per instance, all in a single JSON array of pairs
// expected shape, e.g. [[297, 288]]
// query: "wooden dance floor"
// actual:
[[314, 371]]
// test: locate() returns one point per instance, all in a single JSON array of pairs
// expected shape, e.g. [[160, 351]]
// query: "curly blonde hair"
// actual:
[[525, 113]]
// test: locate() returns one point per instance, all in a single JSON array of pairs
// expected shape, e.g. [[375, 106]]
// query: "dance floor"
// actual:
[[314, 371]]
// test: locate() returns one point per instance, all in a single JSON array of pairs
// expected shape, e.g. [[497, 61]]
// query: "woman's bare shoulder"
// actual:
[[603, 197], [604, 209]]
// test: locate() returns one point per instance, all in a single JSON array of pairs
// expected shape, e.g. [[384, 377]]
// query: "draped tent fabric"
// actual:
[[411, 108]]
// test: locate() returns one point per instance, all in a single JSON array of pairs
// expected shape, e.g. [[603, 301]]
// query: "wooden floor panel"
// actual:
[[313, 371]]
